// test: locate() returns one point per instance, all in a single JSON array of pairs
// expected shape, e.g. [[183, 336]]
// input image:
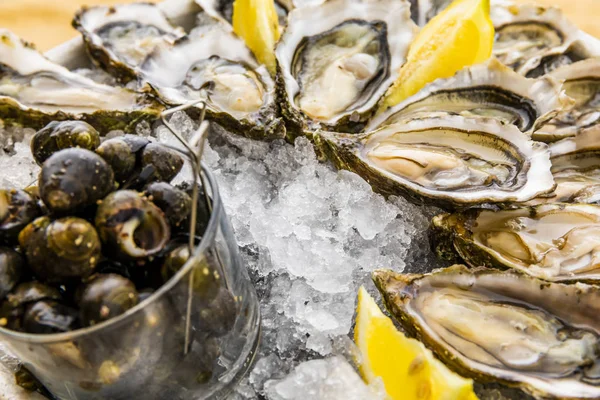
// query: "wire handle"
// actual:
[[195, 150]]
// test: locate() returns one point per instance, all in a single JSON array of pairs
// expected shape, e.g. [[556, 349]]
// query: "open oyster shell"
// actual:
[[120, 37], [448, 161], [213, 64], [576, 169], [534, 40], [503, 326], [489, 90], [554, 242], [582, 83], [336, 59], [34, 91]]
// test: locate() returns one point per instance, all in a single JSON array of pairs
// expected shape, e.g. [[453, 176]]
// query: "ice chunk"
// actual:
[[328, 379], [16, 163]]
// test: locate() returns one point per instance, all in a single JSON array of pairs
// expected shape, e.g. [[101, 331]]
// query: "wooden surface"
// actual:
[[48, 23]]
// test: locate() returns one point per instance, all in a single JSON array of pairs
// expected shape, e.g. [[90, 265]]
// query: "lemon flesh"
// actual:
[[256, 22], [460, 36], [408, 369]]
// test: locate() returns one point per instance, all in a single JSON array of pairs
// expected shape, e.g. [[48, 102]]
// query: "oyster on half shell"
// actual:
[[488, 90], [576, 169], [34, 91], [534, 40], [448, 161], [502, 326], [120, 37], [213, 64], [582, 83], [554, 242], [336, 59]]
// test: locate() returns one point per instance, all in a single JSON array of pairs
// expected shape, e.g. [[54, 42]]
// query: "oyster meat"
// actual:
[[488, 90], [503, 326], [120, 37], [554, 242], [582, 83], [34, 91], [214, 65], [336, 59], [448, 161], [534, 40]]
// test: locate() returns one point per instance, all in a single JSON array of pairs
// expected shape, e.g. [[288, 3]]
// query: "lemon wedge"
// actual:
[[408, 369], [461, 35], [256, 22]]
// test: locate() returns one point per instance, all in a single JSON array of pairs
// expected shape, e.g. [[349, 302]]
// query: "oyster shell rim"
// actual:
[[584, 69], [451, 232], [541, 90], [289, 37], [14, 112], [266, 123], [416, 327], [341, 150], [106, 58]]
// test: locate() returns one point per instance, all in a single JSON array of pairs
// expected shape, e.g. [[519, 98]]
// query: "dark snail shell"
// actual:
[[61, 250], [166, 163], [30, 292], [11, 270], [59, 135], [130, 226], [202, 210], [13, 308], [17, 209], [206, 280], [106, 296], [175, 203], [73, 179], [121, 153], [48, 316]]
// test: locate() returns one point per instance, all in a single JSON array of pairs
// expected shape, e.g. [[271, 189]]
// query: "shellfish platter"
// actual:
[[218, 198]]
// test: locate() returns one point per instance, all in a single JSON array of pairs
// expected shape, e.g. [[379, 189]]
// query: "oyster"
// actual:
[[215, 65], [72, 54], [555, 242], [489, 90], [503, 326], [120, 37], [533, 40], [448, 161], [34, 91], [582, 83], [336, 60], [576, 169]]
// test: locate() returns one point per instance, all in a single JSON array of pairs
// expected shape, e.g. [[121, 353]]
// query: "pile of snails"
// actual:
[[100, 232]]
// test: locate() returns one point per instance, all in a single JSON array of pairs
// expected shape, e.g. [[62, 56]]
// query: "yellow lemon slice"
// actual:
[[408, 369], [460, 36], [256, 22]]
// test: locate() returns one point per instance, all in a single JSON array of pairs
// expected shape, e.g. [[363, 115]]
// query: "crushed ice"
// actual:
[[309, 235]]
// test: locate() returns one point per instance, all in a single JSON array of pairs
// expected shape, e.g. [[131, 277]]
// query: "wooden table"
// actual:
[[48, 23]]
